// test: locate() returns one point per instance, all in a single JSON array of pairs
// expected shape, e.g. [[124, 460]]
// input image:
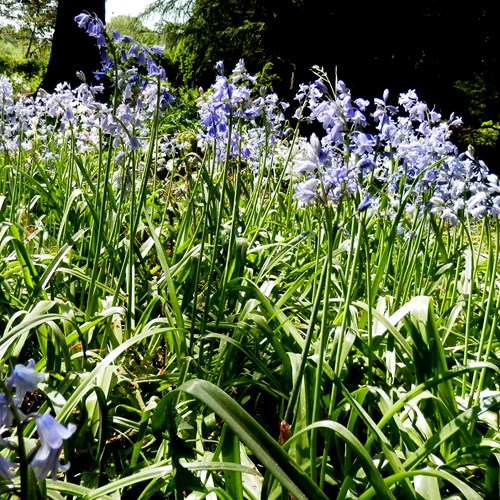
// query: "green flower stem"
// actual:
[[322, 340], [490, 316], [468, 283], [317, 302], [215, 246]]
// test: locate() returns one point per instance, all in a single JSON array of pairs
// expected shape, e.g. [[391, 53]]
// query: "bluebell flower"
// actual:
[[363, 143], [134, 50], [92, 29], [365, 204], [25, 379], [82, 20], [314, 158], [306, 191], [101, 40], [152, 68], [320, 85], [5, 466], [141, 58], [99, 74], [96, 29], [476, 204], [123, 55], [365, 164], [157, 49], [51, 434], [361, 103], [5, 412], [166, 98], [134, 143], [219, 67], [115, 35], [134, 78]]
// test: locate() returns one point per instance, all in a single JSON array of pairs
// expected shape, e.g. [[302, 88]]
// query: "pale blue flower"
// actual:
[[82, 20], [166, 98], [158, 49], [306, 191], [51, 434], [231, 99], [5, 466], [141, 58], [366, 203], [134, 143], [5, 412], [25, 379], [101, 40], [116, 36], [134, 50], [320, 85], [219, 67], [152, 68], [363, 143]]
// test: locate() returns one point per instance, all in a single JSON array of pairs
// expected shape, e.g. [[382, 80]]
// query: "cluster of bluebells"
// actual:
[[133, 66], [45, 123], [51, 434], [235, 123], [404, 151], [366, 148]]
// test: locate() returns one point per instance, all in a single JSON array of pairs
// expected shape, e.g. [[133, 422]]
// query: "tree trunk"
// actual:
[[72, 49]]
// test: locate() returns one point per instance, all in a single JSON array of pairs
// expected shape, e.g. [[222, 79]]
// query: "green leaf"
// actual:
[[450, 429], [465, 489], [357, 447], [157, 470], [185, 480], [492, 480], [88, 382], [264, 447], [429, 355], [53, 266], [230, 452]]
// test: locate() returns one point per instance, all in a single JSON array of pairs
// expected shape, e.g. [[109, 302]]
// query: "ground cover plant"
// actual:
[[217, 305]]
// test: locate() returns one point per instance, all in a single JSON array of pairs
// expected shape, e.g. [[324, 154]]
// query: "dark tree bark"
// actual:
[[72, 49]]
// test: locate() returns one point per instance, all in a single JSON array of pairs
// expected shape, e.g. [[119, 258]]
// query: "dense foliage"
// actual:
[[199, 300], [26, 73], [133, 27], [34, 21]]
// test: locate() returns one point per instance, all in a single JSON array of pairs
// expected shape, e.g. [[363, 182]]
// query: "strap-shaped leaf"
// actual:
[[272, 456]]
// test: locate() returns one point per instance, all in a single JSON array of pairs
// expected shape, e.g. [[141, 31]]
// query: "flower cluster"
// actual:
[[362, 149], [49, 122], [234, 122], [51, 434], [135, 65], [39, 129], [404, 151], [46, 124]]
